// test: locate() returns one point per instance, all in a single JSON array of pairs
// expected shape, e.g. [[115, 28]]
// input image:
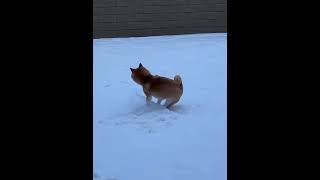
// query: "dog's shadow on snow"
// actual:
[[153, 107], [150, 107], [150, 118], [180, 109]]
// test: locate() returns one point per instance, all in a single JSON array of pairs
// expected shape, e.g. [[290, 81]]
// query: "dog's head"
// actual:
[[139, 74]]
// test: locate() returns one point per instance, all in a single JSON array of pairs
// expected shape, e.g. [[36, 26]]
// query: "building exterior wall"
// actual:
[[127, 18]]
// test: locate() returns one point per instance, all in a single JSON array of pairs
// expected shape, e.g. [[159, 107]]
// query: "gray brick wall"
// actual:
[[125, 18]]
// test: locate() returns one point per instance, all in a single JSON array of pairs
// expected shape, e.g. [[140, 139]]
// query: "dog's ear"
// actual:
[[131, 69], [140, 65]]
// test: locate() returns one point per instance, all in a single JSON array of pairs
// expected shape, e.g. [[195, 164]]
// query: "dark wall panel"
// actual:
[[125, 18]]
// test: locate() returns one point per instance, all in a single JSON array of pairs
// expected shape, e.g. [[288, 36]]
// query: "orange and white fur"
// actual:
[[159, 87]]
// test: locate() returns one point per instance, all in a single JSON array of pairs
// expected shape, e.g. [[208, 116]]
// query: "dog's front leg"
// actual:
[[148, 99], [148, 95]]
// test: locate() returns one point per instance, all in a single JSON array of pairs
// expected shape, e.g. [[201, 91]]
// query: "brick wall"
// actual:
[[125, 18]]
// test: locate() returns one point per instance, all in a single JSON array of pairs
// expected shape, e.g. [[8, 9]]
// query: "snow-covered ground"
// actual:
[[133, 141]]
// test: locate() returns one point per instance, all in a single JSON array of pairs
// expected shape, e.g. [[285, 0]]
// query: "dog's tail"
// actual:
[[177, 78]]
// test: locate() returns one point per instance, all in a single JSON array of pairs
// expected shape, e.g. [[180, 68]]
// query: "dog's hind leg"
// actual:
[[169, 103]]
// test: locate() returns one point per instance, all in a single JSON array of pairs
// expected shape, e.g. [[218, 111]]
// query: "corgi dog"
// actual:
[[159, 87]]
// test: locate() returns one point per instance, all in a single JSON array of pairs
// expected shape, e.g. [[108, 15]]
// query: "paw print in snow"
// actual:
[[107, 83], [161, 119]]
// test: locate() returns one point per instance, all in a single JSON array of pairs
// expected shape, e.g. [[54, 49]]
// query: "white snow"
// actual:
[[133, 141]]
